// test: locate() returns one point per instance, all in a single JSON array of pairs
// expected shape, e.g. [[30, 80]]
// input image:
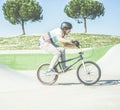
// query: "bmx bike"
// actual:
[[88, 72]]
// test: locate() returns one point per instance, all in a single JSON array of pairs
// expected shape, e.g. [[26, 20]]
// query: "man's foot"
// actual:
[[51, 72]]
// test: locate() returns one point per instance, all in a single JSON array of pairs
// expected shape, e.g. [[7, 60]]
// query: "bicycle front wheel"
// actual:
[[89, 73], [43, 78]]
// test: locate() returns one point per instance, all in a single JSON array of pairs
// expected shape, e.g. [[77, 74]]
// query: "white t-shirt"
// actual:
[[54, 34]]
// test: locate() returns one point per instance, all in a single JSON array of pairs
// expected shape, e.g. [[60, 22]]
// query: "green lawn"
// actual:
[[30, 42], [32, 61]]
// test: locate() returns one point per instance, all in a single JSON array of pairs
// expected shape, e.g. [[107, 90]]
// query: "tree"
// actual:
[[84, 9], [21, 11]]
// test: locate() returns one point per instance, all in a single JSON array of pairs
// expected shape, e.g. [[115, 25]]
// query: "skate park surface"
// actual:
[[21, 90]]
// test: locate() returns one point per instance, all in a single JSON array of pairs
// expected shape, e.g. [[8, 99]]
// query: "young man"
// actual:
[[48, 40]]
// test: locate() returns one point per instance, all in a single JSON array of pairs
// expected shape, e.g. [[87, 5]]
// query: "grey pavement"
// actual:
[[33, 51]]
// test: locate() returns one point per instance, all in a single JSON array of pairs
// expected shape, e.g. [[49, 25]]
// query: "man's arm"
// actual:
[[63, 40]]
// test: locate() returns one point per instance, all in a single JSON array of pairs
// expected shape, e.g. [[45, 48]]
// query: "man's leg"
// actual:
[[53, 50], [63, 56]]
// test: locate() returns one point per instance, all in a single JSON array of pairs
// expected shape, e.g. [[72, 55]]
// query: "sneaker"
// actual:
[[51, 72]]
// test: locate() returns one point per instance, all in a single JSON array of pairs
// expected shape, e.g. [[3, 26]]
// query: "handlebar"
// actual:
[[80, 47], [76, 43]]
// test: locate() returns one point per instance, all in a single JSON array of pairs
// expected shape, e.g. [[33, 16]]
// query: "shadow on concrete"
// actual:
[[68, 84], [108, 82], [100, 83]]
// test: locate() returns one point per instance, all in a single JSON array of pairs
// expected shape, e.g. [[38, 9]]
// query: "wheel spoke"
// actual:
[[89, 76], [43, 78]]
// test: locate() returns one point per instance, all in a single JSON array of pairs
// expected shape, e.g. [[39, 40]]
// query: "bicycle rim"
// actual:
[[43, 78], [90, 74]]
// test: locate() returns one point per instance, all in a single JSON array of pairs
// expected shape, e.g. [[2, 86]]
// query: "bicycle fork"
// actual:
[[84, 66]]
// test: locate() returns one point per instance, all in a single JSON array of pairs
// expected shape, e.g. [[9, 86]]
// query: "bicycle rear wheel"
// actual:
[[89, 73], [43, 78]]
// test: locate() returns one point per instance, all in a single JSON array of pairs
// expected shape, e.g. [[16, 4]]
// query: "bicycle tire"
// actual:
[[42, 80], [90, 68]]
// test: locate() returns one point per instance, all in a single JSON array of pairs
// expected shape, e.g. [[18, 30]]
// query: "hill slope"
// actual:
[[31, 41]]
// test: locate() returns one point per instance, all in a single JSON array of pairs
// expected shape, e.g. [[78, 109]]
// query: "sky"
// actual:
[[53, 16]]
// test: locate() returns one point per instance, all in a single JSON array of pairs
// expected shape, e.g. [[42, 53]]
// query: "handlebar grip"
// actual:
[[77, 44]]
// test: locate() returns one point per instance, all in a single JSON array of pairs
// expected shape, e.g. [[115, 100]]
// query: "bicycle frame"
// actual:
[[80, 57], [84, 71]]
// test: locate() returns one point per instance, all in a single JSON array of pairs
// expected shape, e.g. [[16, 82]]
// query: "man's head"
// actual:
[[66, 27]]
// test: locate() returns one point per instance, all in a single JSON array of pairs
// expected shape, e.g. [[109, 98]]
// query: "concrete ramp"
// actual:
[[110, 62], [17, 93], [13, 80]]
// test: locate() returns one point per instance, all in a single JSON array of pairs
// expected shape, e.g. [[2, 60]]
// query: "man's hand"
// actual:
[[75, 42]]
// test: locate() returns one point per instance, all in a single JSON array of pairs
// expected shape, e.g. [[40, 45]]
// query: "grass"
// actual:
[[96, 40], [19, 43], [30, 42], [32, 61]]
